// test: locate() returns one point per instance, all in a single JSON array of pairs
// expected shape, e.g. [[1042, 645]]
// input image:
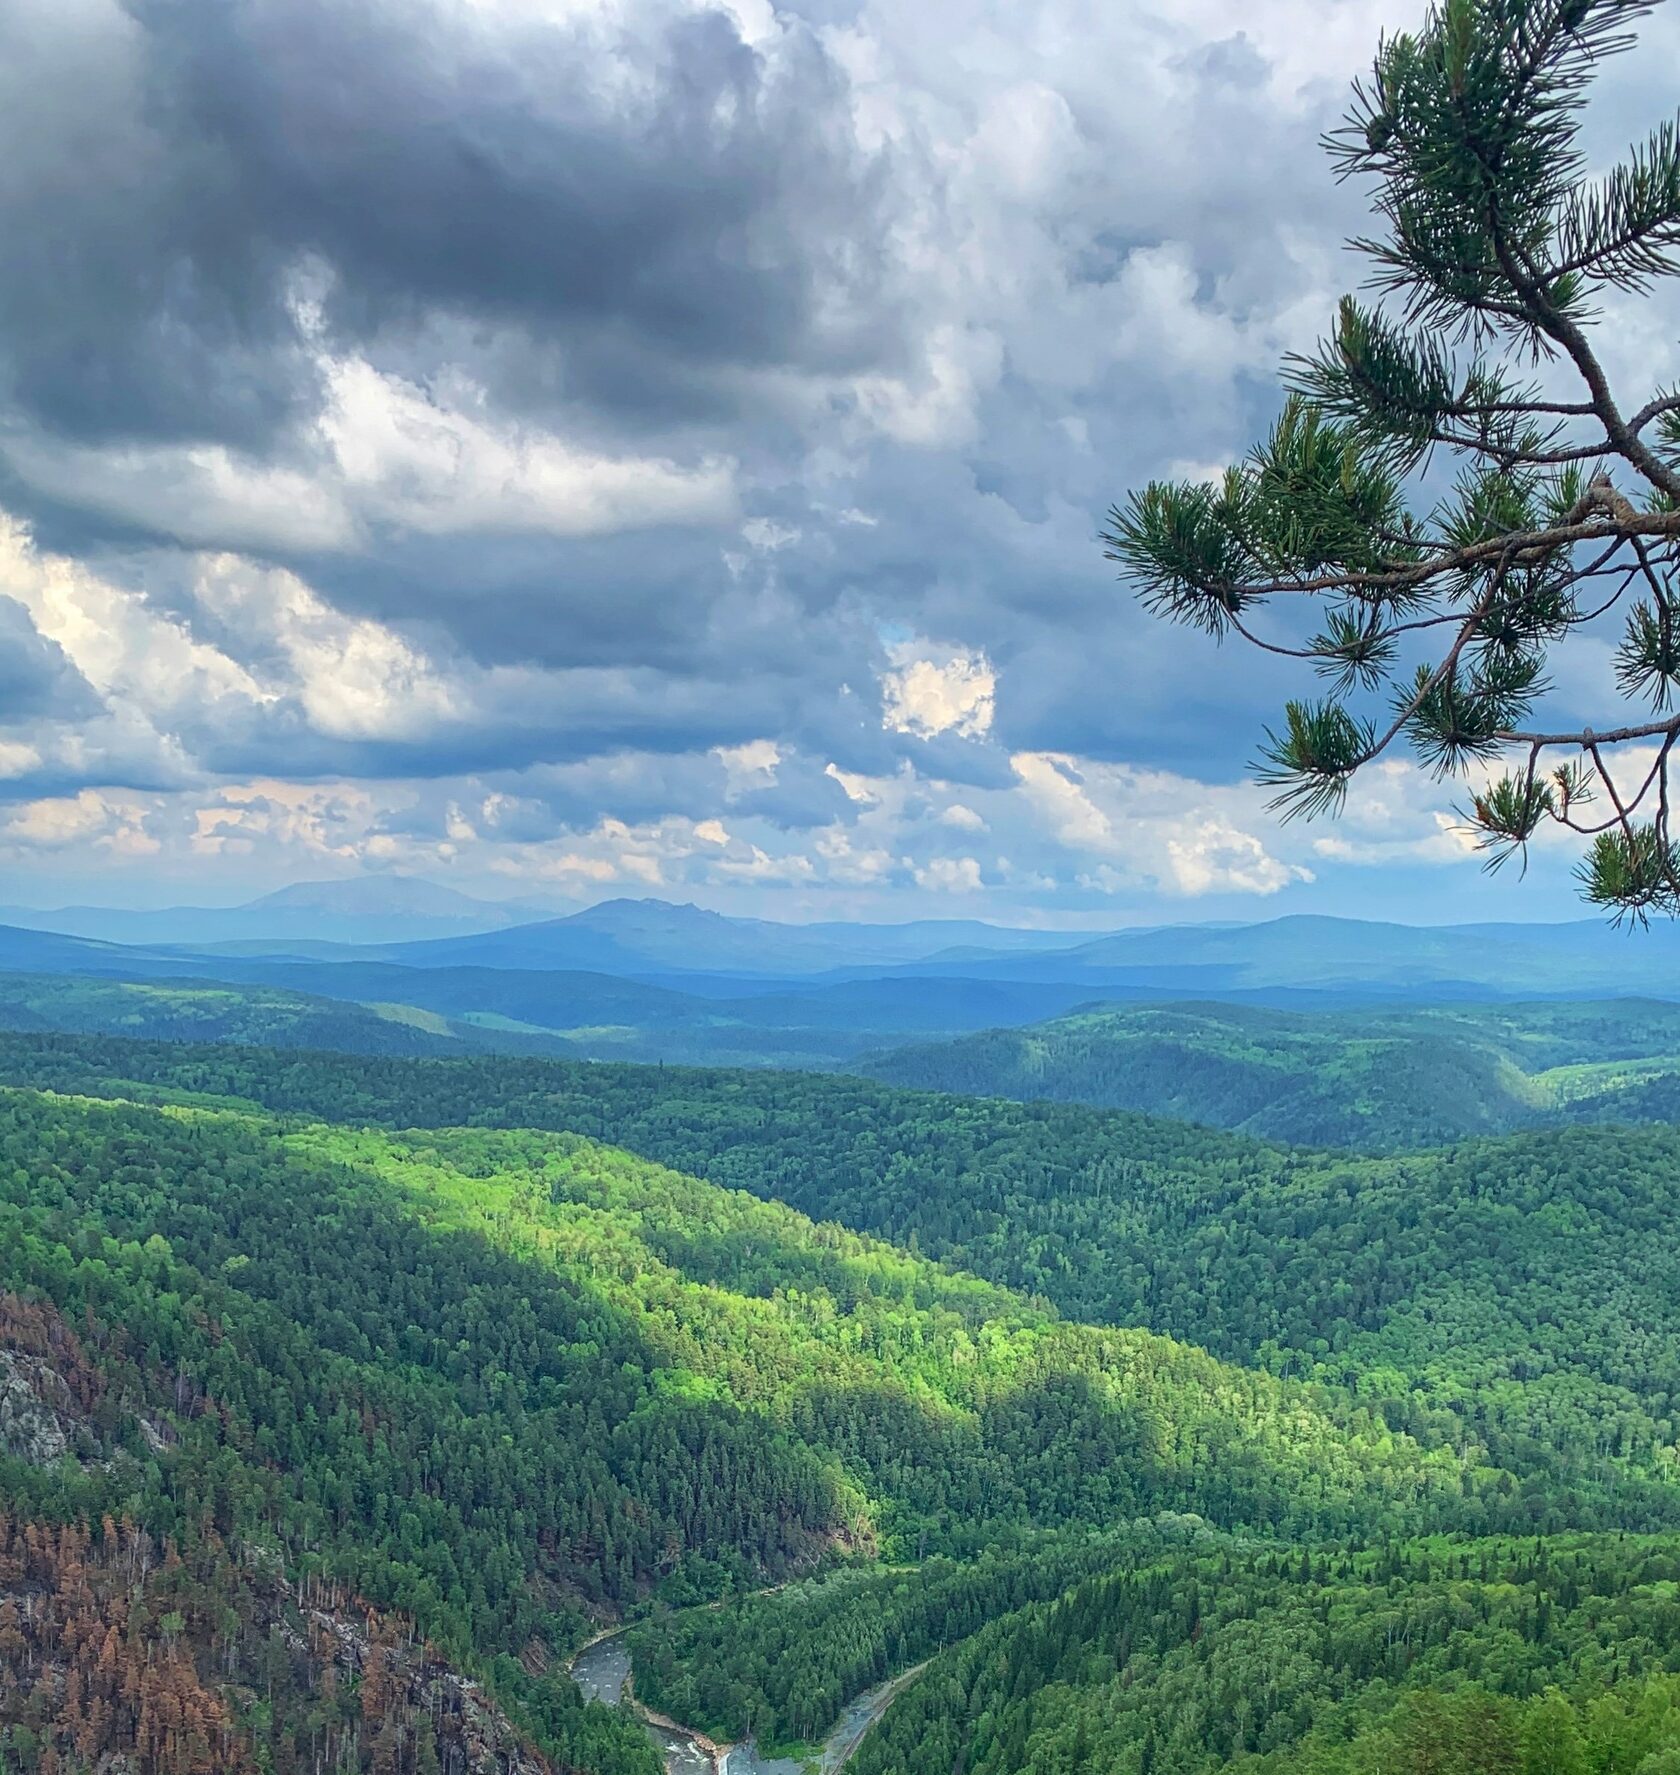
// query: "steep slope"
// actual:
[[913, 1396], [1456, 1658], [496, 1385], [118, 1652], [1511, 1294]]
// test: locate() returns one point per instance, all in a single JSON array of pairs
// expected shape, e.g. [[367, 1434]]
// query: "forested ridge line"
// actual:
[[504, 1384], [1444, 1657], [1506, 1293], [1376, 1080]]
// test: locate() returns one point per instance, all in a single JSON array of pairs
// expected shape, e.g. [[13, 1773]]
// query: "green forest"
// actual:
[[1395, 1079], [814, 1382], [1378, 1080], [567, 451]]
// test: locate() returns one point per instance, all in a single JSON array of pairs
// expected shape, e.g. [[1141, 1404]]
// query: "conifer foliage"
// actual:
[[1453, 485]]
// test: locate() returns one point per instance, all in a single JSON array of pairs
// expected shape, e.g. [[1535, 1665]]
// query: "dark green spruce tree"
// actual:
[[1453, 488]]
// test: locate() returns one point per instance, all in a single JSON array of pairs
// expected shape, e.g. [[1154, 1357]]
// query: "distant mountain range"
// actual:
[[1324, 959], [368, 909], [1355, 957], [654, 936], [647, 980], [404, 918]]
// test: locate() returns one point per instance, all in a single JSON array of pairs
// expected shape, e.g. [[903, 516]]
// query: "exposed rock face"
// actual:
[[120, 1653], [48, 1388], [474, 1737], [120, 1656], [35, 1416]]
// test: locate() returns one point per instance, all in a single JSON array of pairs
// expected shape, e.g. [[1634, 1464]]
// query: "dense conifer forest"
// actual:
[[410, 1374], [1379, 1080]]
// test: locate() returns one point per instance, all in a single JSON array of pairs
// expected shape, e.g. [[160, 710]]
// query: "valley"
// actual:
[[784, 988], [805, 1402]]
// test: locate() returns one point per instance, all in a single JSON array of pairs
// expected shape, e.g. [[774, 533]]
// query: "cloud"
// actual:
[[1211, 854], [949, 875], [690, 207], [649, 445], [930, 691], [109, 824], [18, 758], [37, 678], [385, 455], [1184, 838], [750, 766]]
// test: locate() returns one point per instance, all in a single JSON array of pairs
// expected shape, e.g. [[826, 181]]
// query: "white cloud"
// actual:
[[118, 642], [861, 789], [850, 863], [317, 820], [750, 863], [429, 461], [749, 766], [1150, 828], [1057, 793], [949, 875], [58, 820], [201, 495], [767, 536], [17, 757], [930, 691], [1211, 855], [354, 678], [110, 823], [384, 454]]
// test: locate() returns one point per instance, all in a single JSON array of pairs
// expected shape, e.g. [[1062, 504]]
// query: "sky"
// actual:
[[577, 448]]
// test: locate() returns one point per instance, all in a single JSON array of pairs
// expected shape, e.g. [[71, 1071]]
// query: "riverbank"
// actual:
[[602, 1670]]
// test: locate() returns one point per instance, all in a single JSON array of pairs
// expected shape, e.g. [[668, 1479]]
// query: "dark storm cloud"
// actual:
[[649, 208], [598, 601], [133, 301], [620, 223], [656, 238]]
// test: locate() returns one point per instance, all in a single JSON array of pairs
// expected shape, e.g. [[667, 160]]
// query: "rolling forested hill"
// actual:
[[1517, 1286], [1444, 1657], [1381, 1080], [420, 1369], [382, 1007], [1372, 1080], [496, 1385]]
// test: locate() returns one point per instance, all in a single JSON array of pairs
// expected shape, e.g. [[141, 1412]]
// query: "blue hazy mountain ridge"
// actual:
[[412, 920], [180, 993], [368, 909], [1299, 961], [1297, 953], [638, 936], [718, 955], [1341, 955]]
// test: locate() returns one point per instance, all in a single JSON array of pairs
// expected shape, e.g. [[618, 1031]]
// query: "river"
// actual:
[[602, 1671]]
